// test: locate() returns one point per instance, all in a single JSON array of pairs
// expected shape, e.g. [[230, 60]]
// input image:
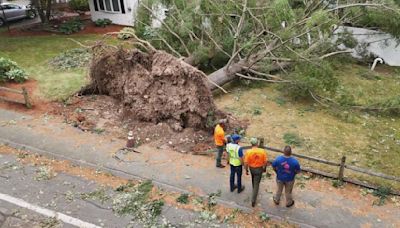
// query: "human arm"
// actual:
[[275, 165], [227, 157], [297, 168]]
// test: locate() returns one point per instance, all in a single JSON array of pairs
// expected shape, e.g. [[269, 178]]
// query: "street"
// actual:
[[35, 196]]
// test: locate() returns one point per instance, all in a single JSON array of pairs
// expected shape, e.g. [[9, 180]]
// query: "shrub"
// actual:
[[74, 58], [71, 26], [79, 5], [10, 71], [126, 33], [103, 22], [292, 139]]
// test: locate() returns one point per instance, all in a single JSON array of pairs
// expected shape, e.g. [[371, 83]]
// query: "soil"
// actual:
[[39, 106], [155, 87], [90, 28]]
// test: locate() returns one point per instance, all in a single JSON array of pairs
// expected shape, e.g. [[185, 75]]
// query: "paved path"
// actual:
[[26, 201], [318, 204]]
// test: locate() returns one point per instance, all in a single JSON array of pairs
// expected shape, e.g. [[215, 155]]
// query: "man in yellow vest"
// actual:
[[219, 139], [256, 160], [235, 160]]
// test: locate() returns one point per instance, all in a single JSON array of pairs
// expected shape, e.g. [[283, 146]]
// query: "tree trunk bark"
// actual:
[[48, 10], [224, 75], [40, 10]]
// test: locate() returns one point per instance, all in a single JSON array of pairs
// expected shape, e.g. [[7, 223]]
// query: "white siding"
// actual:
[[117, 18]]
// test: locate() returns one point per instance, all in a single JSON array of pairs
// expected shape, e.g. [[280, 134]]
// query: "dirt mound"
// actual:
[[154, 88]]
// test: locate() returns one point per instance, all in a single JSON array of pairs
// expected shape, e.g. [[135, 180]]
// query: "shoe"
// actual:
[[253, 204], [291, 204], [241, 190], [275, 202], [220, 166], [234, 187]]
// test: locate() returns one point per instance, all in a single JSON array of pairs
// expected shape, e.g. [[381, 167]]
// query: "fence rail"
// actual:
[[342, 166], [23, 92]]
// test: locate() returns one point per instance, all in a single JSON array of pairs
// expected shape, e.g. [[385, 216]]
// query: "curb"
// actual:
[[127, 175]]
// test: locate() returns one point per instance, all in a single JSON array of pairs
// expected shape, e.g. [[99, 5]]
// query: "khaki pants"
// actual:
[[288, 191]]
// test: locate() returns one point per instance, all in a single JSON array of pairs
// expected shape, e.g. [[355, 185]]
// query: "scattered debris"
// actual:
[[183, 198], [44, 173], [51, 222], [134, 200], [264, 217], [99, 195], [382, 193]]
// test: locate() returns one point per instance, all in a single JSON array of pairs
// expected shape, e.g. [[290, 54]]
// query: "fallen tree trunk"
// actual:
[[228, 74]]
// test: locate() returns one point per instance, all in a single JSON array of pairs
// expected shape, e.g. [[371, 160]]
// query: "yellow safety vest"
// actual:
[[233, 151]]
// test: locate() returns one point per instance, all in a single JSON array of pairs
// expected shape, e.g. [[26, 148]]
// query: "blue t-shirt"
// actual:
[[286, 168]]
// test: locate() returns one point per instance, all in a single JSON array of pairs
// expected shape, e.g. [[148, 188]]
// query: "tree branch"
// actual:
[[334, 53], [168, 28], [260, 79]]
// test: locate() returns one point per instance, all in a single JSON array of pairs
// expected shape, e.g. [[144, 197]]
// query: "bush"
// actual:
[[79, 5], [103, 22], [71, 26], [74, 58], [292, 139], [10, 71], [126, 33]]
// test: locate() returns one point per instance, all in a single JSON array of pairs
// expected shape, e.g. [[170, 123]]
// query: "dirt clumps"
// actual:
[[154, 88]]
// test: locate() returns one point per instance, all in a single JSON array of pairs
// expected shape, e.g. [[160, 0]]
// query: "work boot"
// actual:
[[290, 204], [241, 190], [220, 166], [234, 187], [253, 204]]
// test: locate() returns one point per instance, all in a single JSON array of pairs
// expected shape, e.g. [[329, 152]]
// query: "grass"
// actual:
[[369, 141], [33, 54]]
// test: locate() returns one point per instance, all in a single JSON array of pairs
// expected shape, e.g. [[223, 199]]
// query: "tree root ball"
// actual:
[[154, 87]]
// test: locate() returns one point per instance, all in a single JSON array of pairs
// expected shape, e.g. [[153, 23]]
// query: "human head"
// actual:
[[287, 151], [254, 141], [228, 138], [222, 123], [236, 138]]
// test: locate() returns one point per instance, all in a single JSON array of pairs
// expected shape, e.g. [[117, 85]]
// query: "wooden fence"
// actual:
[[341, 169], [23, 92]]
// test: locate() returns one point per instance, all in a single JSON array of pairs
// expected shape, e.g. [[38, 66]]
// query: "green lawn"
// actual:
[[33, 54], [369, 141]]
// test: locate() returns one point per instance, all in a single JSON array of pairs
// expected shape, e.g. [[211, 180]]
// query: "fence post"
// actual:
[[261, 142], [341, 169], [26, 98]]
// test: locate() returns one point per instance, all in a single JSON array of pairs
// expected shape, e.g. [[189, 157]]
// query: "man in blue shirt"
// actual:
[[286, 168]]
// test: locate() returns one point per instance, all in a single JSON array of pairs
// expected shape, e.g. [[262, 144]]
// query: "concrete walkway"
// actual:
[[318, 204]]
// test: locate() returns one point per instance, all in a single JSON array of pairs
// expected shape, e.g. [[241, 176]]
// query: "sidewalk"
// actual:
[[318, 204]]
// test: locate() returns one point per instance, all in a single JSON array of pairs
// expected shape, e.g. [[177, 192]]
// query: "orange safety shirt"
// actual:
[[255, 157], [219, 135]]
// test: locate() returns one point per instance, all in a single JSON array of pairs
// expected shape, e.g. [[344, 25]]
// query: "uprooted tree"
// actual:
[[253, 39]]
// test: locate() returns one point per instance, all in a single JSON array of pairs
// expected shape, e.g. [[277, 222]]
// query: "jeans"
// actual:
[[288, 191], [256, 174], [220, 151], [238, 171]]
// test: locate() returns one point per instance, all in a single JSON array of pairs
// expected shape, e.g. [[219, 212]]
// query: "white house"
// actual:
[[121, 12]]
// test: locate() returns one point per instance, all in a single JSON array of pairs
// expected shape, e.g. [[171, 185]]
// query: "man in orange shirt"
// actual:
[[219, 138], [256, 160]]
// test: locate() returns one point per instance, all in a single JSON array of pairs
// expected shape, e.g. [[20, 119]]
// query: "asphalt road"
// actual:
[[26, 200]]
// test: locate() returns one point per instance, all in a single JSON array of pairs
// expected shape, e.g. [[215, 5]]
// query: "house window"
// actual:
[[109, 5]]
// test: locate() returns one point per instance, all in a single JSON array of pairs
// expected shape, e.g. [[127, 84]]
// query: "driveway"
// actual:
[[24, 22]]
